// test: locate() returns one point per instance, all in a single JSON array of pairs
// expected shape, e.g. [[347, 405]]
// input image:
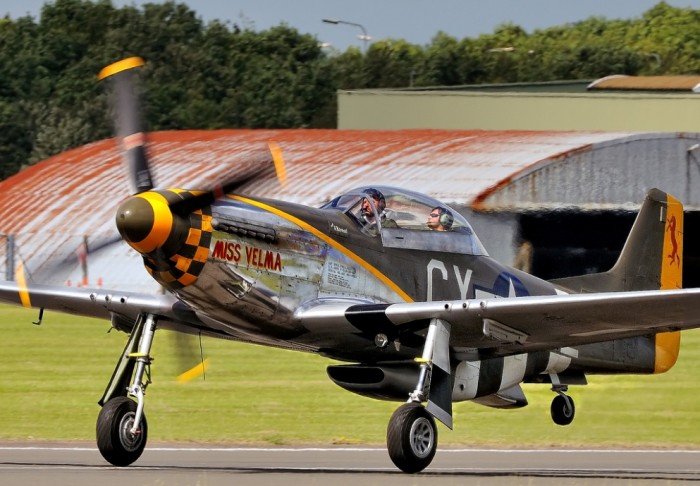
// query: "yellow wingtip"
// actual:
[[277, 158], [119, 66], [195, 372]]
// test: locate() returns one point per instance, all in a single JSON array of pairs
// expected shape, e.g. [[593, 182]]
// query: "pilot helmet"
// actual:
[[377, 196]]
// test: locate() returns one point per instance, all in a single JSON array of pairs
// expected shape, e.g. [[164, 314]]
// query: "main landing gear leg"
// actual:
[[412, 433], [562, 409], [122, 429]]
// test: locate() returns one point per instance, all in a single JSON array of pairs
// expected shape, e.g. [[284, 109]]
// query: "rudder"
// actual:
[[651, 257]]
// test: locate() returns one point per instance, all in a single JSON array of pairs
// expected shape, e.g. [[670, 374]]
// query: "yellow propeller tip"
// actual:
[[119, 66], [193, 373], [277, 158], [21, 279]]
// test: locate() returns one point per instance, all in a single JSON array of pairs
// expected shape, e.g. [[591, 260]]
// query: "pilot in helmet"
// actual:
[[366, 212], [440, 219]]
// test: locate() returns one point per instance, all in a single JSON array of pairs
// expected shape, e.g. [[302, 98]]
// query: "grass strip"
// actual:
[[54, 374]]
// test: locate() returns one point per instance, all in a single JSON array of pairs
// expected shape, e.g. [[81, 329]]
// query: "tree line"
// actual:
[[221, 75]]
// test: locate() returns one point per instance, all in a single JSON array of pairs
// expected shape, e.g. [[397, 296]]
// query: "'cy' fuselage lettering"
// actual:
[[462, 281]]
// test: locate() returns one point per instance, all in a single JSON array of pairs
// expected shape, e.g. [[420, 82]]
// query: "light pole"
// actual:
[[364, 37], [9, 256]]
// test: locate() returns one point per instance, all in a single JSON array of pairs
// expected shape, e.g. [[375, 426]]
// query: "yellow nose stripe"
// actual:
[[162, 223]]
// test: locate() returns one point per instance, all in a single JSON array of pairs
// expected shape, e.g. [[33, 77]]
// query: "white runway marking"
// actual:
[[58, 464], [360, 449]]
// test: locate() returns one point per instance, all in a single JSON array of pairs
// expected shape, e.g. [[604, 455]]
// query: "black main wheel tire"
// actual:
[[411, 438], [561, 413], [114, 440]]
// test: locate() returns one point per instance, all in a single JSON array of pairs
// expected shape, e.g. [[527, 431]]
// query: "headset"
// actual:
[[446, 218]]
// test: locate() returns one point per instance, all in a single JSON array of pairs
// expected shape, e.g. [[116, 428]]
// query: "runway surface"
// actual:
[[81, 464]]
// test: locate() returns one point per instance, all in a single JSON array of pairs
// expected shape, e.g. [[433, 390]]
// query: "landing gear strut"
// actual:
[[562, 409], [412, 434], [122, 429]]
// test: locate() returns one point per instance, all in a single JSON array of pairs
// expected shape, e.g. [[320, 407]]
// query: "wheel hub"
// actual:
[[129, 441], [421, 437]]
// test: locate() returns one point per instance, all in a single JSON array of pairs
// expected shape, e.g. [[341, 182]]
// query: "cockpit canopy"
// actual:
[[401, 218]]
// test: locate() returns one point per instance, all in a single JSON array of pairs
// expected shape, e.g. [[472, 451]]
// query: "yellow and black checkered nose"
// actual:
[[145, 221], [173, 240]]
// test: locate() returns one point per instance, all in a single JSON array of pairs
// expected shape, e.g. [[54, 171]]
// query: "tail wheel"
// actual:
[[411, 438], [563, 410], [117, 444]]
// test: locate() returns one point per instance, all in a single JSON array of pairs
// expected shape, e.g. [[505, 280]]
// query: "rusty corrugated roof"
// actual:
[[456, 166], [51, 205], [690, 84]]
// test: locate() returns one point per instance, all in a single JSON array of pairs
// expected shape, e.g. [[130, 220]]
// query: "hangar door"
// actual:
[[568, 243]]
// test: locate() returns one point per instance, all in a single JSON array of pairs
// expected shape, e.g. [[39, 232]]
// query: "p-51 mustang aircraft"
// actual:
[[419, 315]]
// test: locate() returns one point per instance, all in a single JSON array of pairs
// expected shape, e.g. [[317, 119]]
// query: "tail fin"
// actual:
[[652, 256]]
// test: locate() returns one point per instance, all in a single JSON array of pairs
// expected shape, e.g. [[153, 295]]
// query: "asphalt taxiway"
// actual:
[[81, 464]]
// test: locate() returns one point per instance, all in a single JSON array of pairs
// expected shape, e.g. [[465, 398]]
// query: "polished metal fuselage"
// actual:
[[268, 264]]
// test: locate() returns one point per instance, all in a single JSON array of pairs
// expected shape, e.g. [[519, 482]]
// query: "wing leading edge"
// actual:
[[104, 304], [505, 326]]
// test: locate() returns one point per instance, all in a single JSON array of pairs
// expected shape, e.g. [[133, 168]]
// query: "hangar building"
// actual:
[[552, 188], [614, 103]]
